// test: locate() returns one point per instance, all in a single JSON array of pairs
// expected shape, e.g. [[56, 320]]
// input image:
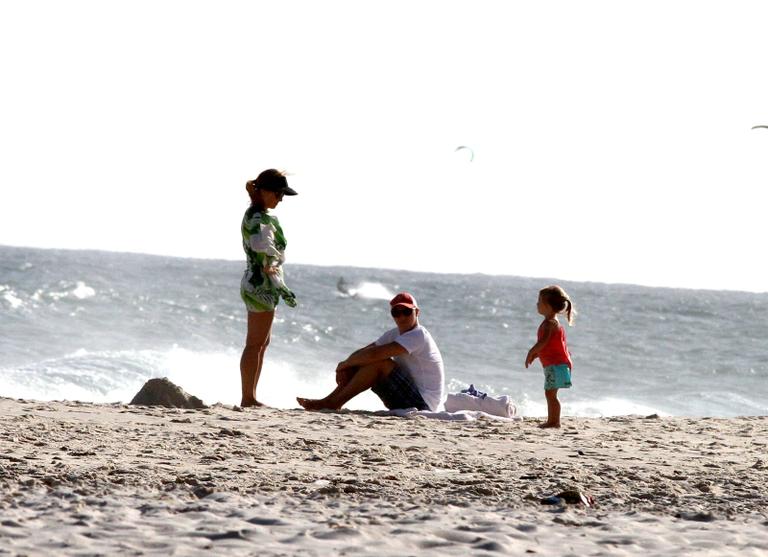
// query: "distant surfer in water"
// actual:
[[343, 287], [262, 285], [403, 367]]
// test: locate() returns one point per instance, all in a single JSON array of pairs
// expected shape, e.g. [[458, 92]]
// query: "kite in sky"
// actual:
[[471, 152]]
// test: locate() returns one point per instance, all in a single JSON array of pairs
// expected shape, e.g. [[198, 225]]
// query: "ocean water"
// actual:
[[94, 326]]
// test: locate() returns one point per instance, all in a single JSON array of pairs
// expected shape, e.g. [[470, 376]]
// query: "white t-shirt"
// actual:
[[423, 361]]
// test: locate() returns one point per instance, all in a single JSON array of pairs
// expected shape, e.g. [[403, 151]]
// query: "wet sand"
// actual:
[[80, 478]]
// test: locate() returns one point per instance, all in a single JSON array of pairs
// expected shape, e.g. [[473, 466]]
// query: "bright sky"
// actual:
[[612, 140]]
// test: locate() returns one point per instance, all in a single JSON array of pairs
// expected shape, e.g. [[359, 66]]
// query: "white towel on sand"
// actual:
[[498, 406], [460, 416]]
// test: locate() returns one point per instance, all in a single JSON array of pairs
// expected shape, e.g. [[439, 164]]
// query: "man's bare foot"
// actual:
[[315, 404], [252, 404], [546, 425]]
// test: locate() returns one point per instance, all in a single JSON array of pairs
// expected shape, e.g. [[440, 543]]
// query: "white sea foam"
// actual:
[[116, 376], [374, 291], [83, 291], [11, 297], [215, 377], [127, 312], [102, 376], [80, 291], [368, 291], [608, 406]]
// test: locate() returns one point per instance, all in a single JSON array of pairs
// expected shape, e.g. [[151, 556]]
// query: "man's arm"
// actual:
[[370, 354], [361, 349]]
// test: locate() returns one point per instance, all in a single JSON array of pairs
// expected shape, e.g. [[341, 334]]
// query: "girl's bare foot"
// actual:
[[252, 404], [548, 425]]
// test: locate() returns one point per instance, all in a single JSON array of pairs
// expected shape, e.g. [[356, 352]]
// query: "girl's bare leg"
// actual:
[[553, 409], [256, 342]]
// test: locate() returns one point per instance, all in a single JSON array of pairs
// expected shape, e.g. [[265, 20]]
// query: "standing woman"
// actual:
[[262, 285]]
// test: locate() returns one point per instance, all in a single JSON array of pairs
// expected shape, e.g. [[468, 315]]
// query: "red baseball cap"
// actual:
[[403, 299]]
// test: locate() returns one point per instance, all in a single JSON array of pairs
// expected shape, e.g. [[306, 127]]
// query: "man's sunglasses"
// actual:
[[397, 312]]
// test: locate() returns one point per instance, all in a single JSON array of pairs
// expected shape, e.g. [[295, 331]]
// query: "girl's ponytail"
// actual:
[[570, 313]]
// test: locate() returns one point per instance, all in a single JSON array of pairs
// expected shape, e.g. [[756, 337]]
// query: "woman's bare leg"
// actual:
[[256, 342]]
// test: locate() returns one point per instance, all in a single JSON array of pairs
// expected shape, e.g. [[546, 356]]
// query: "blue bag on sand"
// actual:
[[472, 391]]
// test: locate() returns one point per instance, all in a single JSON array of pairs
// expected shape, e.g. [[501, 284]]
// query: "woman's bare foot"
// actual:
[[315, 404], [546, 425], [252, 404]]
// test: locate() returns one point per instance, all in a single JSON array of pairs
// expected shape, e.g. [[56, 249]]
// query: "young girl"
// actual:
[[551, 348]]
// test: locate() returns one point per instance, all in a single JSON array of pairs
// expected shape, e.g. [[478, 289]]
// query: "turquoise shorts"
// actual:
[[557, 377]]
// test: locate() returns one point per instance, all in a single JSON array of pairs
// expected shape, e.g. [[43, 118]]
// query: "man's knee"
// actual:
[[382, 368], [385, 367], [343, 377]]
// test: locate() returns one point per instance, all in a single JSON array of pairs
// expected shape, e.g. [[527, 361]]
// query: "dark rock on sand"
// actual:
[[162, 392], [203, 491], [697, 516], [576, 497]]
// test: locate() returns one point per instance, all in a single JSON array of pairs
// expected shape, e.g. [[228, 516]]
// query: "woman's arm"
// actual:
[[271, 255], [263, 242]]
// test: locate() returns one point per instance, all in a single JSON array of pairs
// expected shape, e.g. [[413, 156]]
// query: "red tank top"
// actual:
[[555, 352]]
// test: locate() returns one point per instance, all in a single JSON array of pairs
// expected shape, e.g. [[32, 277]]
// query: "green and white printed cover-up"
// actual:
[[264, 245]]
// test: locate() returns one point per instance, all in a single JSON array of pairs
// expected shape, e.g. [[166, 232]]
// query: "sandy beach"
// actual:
[[86, 479]]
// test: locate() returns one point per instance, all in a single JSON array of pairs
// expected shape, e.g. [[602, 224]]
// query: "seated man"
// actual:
[[403, 367]]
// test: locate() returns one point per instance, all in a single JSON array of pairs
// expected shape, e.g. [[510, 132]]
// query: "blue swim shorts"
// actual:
[[398, 390], [557, 377]]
